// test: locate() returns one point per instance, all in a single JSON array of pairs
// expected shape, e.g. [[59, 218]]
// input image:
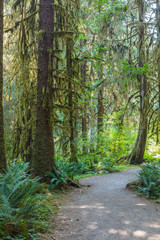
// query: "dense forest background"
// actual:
[[84, 84], [81, 85]]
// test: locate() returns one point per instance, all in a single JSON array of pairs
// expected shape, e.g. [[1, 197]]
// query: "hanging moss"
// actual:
[[2, 147]]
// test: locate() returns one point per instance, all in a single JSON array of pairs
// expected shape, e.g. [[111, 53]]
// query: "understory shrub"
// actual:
[[72, 168], [67, 170], [23, 207], [149, 183], [88, 164], [106, 165], [59, 180]]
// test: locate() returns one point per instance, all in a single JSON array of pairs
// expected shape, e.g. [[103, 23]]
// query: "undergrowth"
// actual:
[[148, 183], [88, 165], [24, 206]]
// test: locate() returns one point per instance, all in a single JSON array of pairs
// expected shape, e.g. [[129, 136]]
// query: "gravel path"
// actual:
[[108, 211]]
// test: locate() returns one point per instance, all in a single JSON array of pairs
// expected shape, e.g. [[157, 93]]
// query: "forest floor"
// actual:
[[106, 211]]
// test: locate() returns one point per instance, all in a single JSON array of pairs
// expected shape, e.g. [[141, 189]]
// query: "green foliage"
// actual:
[[67, 170], [149, 176], [72, 168], [96, 163], [22, 206], [91, 163], [115, 141], [152, 150], [57, 181], [132, 70], [105, 165]]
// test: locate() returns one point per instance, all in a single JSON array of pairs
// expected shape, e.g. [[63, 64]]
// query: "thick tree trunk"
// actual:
[[136, 157], [92, 120], [2, 145], [83, 69], [100, 117], [100, 106], [43, 152], [70, 100], [158, 59]]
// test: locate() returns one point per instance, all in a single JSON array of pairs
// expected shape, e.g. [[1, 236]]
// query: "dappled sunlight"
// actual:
[[125, 225], [140, 204], [116, 215], [93, 226], [139, 234], [123, 228], [120, 232], [88, 206], [153, 225], [154, 237], [85, 207], [126, 222]]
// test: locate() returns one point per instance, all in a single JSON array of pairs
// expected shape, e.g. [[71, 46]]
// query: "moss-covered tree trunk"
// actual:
[[158, 37], [100, 116], [83, 69], [136, 156], [100, 111], [43, 152], [69, 45], [100, 106], [158, 59], [2, 146], [92, 119]]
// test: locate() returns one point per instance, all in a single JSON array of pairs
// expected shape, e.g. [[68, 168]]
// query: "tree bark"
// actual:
[[100, 111], [73, 157], [92, 119], [2, 144], [136, 157], [158, 60], [43, 152], [83, 69]]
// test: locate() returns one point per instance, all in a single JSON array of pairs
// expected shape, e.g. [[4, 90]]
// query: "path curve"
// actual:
[[108, 211]]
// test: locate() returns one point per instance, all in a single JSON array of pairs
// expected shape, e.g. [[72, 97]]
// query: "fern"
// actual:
[[19, 200], [150, 177]]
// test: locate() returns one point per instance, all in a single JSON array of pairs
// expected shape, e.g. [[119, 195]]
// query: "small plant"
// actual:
[[149, 176], [106, 165], [67, 171], [57, 181], [72, 169]]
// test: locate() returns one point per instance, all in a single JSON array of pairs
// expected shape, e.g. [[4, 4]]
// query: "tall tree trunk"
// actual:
[[92, 118], [70, 100], [136, 157], [83, 69], [158, 59], [100, 111], [100, 117], [43, 152], [2, 145]]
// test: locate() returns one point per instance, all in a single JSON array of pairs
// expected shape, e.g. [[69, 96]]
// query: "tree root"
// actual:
[[73, 183], [76, 184], [122, 158]]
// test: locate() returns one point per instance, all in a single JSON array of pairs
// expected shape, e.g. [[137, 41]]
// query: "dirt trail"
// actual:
[[108, 211]]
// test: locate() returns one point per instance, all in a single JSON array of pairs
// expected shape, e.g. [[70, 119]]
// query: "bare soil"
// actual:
[[107, 211]]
